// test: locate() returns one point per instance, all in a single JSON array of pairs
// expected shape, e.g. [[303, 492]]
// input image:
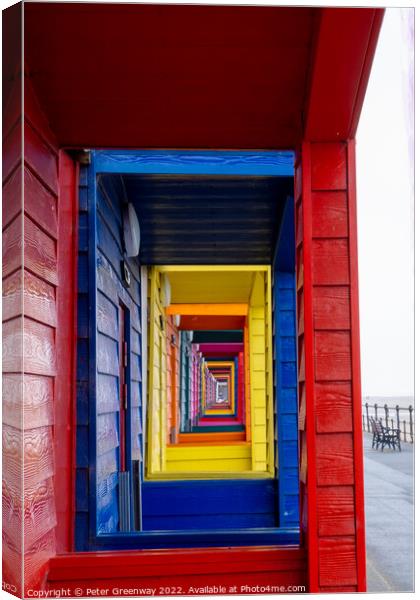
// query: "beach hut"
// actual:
[[228, 134]]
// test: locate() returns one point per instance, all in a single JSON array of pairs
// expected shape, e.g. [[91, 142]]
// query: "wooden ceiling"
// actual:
[[196, 76], [208, 220]]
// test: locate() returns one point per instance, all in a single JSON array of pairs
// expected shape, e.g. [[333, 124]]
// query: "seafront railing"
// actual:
[[396, 417]]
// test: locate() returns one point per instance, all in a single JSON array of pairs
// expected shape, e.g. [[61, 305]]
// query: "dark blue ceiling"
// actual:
[[190, 219]]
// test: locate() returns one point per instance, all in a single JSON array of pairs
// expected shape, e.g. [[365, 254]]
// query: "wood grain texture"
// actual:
[[27, 399], [13, 295], [107, 432], [107, 317], [107, 465], [39, 348], [334, 454], [12, 551], [331, 307], [36, 460], [41, 158], [12, 247], [332, 356], [328, 166], [329, 215], [336, 511], [40, 203], [333, 407], [107, 394], [40, 252], [330, 262], [12, 394], [12, 197], [13, 346], [39, 300], [110, 213], [12, 513], [13, 450], [107, 356], [337, 561], [36, 561], [110, 285], [40, 515]]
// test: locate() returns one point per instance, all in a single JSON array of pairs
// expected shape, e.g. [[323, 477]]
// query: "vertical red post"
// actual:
[[329, 368], [66, 337]]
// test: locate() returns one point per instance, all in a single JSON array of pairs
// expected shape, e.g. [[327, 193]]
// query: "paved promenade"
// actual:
[[389, 506]]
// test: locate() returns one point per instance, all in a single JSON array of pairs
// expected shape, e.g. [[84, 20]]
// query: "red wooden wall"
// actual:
[[12, 304], [38, 316], [331, 468], [182, 572]]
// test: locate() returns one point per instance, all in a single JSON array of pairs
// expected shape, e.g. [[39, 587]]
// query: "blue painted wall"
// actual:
[[82, 412], [231, 505], [109, 293], [285, 380], [217, 504]]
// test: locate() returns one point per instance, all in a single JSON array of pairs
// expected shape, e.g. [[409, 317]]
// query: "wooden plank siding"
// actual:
[[37, 334], [235, 568], [285, 374], [109, 294], [82, 486], [209, 504], [331, 460], [172, 370], [261, 409], [42, 205], [14, 384], [40, 351]]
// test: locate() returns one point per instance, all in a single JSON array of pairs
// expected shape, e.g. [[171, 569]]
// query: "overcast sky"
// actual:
[[385, 172]]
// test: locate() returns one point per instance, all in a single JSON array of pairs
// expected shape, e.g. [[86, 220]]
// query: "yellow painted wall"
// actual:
[[260, 359], [243, 460], [209, 459], [157, 397]]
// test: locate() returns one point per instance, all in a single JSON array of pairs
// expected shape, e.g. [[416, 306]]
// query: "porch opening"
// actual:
[[188, 351]]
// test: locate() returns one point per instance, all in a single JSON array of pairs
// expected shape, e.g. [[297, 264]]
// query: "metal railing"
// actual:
[[395, 417]]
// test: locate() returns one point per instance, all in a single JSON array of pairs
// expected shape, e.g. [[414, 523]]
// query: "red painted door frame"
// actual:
[[66, 337], [326, 170]]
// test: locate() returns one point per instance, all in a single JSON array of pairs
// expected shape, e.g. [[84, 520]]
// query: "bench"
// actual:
[[384, 436]]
